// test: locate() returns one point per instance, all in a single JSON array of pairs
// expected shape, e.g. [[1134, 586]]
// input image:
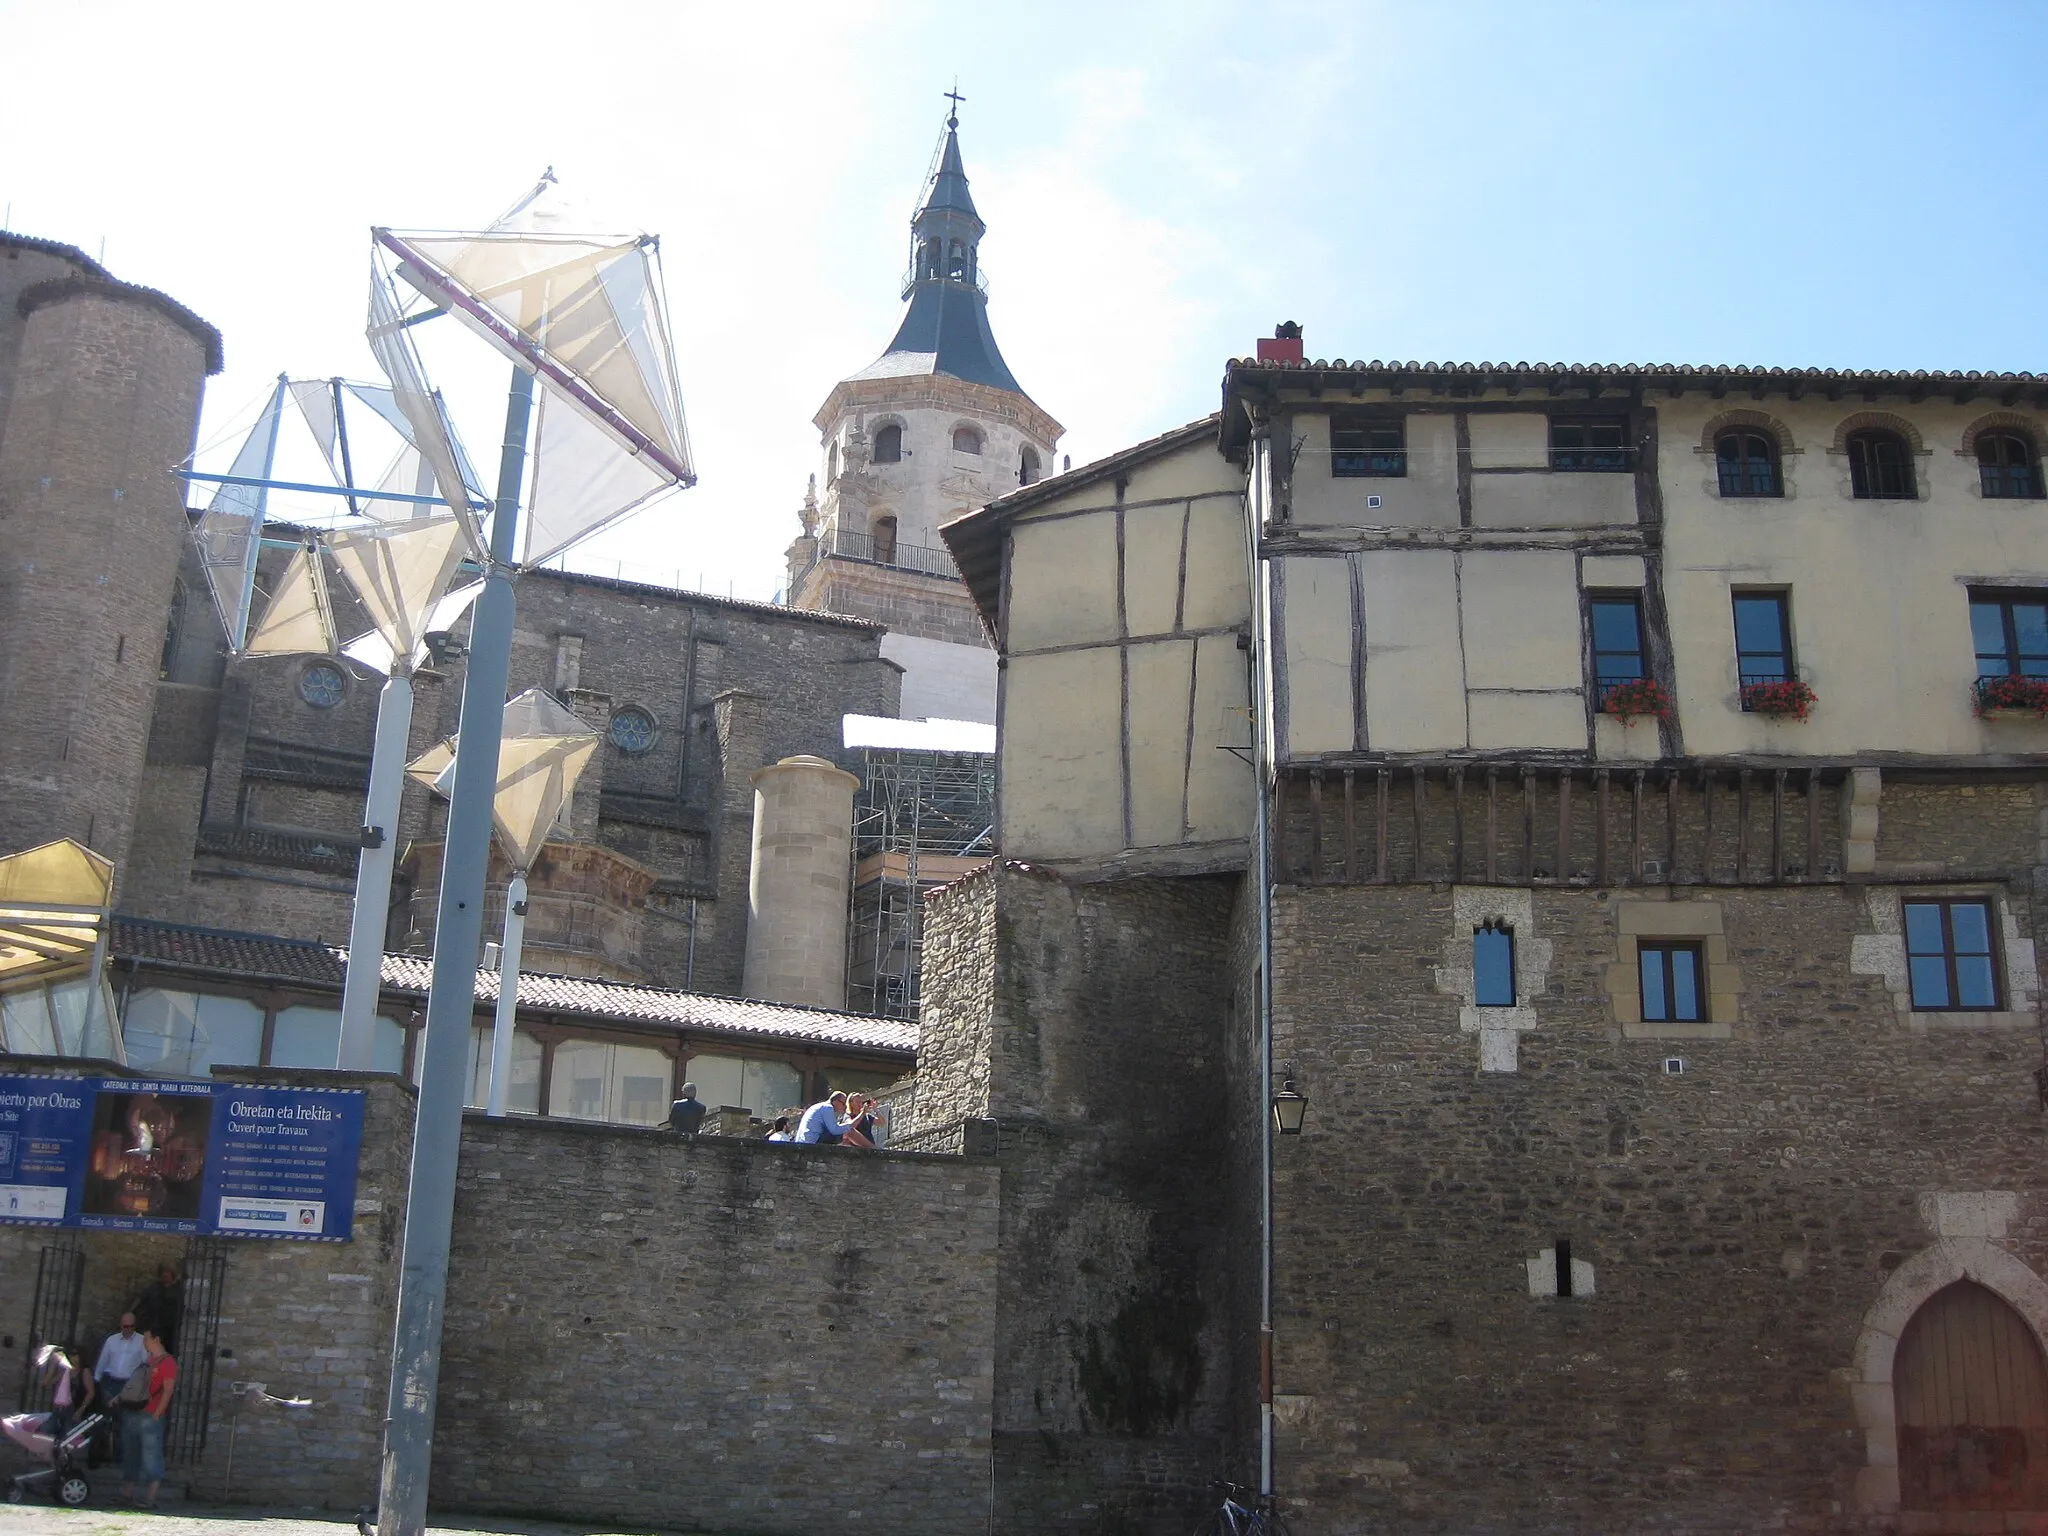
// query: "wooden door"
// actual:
[[1972, 1395]]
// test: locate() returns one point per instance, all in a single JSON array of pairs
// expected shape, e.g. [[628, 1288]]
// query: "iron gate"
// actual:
[[60, 1275], [205, 1270]]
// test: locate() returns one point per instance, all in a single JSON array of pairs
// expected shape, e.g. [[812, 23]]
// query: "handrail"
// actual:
[[925, 558]]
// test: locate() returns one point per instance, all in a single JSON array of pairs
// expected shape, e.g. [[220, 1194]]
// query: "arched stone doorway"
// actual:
[[1957, 1256], [1970, 1388]]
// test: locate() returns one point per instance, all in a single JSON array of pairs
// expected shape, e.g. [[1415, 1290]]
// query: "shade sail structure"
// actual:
[[542, 752], [53, 911], [375, 652], [399, 573], [300, 618], [584, 314], [229, 529], [430, 433]]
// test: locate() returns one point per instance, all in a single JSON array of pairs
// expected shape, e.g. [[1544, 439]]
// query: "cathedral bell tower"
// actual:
[[934, 427]]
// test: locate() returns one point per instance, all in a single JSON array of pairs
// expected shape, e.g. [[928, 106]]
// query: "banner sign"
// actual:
[[189, 1157]]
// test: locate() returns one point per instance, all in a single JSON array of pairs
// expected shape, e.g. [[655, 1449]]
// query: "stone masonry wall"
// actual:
[[1740, 1220], [1107, 1005], [727, 1335], [721, 1335], [953, 1047], [306, 1319]]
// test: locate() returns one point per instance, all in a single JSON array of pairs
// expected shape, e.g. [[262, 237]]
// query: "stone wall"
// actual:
[[730, 1335], [1105, 1007], [1739, 1219], [721, 1335]]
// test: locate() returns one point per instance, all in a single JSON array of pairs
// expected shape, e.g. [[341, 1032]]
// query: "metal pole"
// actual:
[[508, 992], [360, 986], [1262, 873], [451, 1004]]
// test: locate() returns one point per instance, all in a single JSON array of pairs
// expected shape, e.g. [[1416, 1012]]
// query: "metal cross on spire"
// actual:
[[954, 96]]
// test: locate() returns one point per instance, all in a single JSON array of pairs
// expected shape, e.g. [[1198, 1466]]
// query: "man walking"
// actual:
[[142, 1429]]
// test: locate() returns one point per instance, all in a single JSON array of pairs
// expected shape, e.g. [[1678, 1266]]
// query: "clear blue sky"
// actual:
[[1798, 183]]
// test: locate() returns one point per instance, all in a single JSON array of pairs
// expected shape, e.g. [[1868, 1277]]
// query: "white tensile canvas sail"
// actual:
[[584, 314], [542, 752], [300, 619], [229, 528], [421, 408], [399, 572]]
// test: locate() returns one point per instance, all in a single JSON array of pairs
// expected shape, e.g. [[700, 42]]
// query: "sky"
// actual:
[[1795, 183]]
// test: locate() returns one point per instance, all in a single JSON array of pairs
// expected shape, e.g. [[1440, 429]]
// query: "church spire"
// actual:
[[946, 330]]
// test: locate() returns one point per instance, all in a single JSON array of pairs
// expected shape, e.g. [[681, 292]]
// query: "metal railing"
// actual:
[[887, 551]]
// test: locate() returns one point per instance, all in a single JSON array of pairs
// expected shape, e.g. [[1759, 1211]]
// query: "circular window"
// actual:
[[322, 685], [633, 730]]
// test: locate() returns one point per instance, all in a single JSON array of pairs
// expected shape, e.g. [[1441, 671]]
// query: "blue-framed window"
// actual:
[[1674, 980], [1950, 956], [1493, 966], [1763, 637]]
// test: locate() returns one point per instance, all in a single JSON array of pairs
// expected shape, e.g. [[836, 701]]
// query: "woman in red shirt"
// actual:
[[142, 1431]]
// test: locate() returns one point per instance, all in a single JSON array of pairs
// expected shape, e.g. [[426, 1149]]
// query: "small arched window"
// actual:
[[1748, 462], [1880, 466], [2007, 465], [889, 444], [832, 463], [966, 440], [1493, 965], [1027, 466], [956, 261], [885, 540]]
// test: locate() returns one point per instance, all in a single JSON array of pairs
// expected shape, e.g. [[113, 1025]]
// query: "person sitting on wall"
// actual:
[[156, 1309], [142, 1431], [120, 1357], [688, 1112], [779, 1131], [860, 1123], [824, 1122]]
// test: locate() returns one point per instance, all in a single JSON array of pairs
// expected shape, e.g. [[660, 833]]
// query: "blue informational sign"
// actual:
[[188, 1157]]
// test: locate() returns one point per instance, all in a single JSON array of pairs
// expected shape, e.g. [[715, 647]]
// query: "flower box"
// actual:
[[1642, 696], [2008, 698], [1780, 699]]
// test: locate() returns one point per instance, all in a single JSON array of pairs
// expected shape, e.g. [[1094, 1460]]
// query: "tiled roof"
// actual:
[[10, 241], [270, 958], [1672, 376]]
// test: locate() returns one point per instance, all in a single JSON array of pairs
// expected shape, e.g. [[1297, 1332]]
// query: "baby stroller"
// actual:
[[64, 1477]]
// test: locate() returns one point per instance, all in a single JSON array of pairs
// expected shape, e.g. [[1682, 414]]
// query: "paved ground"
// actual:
[[185, 1520]]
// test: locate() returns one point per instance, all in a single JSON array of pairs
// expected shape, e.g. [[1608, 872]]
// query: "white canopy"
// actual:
[[584, 314], [300, 619], [542, 752]]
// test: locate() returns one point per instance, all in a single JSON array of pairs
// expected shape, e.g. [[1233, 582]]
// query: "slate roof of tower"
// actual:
[[270, 957], [946, 329], [949, 186]]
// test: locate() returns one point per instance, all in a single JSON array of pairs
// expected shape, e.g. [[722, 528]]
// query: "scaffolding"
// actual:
[[920, 819]]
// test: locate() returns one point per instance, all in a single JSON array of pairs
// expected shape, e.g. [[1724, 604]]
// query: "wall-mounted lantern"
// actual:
[[1290, 1108]]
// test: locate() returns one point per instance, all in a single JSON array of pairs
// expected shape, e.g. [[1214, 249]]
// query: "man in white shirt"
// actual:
[[120, 1357]]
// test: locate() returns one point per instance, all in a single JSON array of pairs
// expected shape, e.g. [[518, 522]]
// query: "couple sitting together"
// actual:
[[844, 1120]]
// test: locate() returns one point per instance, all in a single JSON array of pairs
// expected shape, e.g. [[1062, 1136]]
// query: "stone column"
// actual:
[[798, 883]]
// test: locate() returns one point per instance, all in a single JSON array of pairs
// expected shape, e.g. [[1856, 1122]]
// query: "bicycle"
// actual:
[[1241, 1514]]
